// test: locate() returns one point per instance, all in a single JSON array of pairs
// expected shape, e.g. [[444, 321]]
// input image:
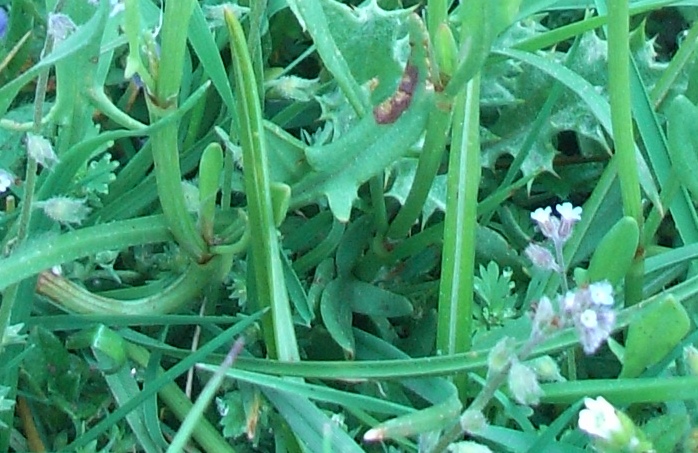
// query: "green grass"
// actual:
[[301, 225]]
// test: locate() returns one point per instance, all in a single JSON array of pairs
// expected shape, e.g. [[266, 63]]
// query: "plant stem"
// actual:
[[458, 262], [165, 141], [621, 119]]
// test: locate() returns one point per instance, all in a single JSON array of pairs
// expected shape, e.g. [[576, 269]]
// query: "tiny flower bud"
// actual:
[[523, 384], [40, 149], [546, 369], [544, 316], [541, 257], [500, 356], [65, 210], [473, 421]]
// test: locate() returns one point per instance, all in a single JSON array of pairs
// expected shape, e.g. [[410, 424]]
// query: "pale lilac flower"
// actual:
[[523, 384], [6, 180], [569, 215], [541, 257], [589, 309], [601, 293], [600, 419], [548, 225], [558, 230], [594, 327]]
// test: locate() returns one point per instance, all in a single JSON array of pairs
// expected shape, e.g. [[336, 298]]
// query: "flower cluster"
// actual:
[[557, 230], [588, 308]]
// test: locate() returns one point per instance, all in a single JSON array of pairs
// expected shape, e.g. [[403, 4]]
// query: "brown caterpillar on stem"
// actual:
[[390, 110]]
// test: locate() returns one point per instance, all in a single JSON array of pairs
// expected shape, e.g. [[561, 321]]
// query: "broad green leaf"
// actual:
[[653, 335], [615, 252]]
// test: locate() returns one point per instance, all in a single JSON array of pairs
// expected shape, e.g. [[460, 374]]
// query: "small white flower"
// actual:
[[569, 213], [547, 224], [588, 319], [6, 180], [601, 293], [600, 419], [541, 215]]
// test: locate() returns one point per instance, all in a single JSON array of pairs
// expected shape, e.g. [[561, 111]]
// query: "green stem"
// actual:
[[10, 297], [165, 141], [458, 262], [622, 122], [429, 162], [36, 257], [183, 291]]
